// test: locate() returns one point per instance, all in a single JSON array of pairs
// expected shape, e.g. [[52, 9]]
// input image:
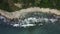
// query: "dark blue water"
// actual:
[[46, 29]]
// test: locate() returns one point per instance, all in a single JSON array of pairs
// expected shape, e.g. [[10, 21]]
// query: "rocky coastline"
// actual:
[[22, 12], [30, 17], [33, 19]]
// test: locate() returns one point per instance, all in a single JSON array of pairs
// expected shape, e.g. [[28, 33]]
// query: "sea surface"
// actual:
[[49, 28], [46, 29]]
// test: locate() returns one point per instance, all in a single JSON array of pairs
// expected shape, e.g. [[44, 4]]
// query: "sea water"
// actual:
[[46, 29]]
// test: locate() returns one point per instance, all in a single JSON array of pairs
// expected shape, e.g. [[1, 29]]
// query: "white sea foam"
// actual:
[[32, 21], [27, 25], [16, 25], [1, 17], [53, 20]]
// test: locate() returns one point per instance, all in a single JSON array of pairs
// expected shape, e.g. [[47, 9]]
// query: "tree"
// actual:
[[11, 4]]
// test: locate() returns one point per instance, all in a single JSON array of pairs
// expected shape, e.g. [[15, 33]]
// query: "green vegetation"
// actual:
[[31, 3], [42, 3]]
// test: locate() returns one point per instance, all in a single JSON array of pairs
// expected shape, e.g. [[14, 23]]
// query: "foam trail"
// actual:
[[31, 21]]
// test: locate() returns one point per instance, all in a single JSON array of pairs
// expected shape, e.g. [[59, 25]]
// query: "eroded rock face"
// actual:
[[30, 19]]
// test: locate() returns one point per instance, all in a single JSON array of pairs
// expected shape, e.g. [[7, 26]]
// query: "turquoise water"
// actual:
[[46, 29]]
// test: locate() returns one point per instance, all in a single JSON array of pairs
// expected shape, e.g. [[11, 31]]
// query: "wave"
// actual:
[[33, 19]]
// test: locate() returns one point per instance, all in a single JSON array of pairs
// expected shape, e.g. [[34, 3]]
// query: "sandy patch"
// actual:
[[19, 13]]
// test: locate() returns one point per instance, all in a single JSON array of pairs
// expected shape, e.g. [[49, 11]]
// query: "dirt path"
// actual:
[[18, 13]]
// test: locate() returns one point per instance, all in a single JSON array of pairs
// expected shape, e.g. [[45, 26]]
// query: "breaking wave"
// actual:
[[33, 19]]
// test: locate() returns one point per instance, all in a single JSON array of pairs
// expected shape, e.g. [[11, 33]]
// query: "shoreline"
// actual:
[[20, 13]]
